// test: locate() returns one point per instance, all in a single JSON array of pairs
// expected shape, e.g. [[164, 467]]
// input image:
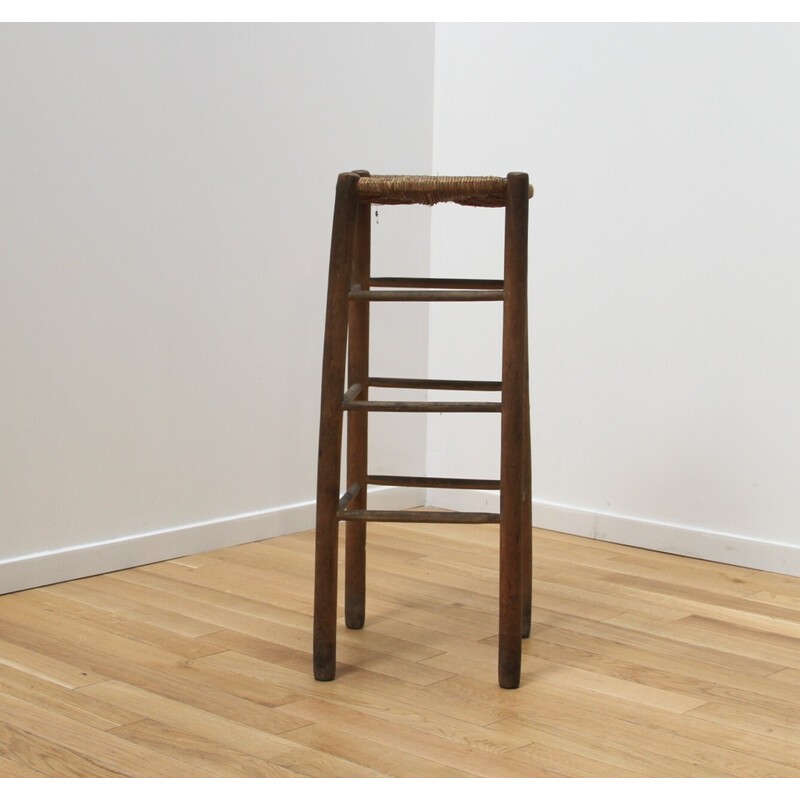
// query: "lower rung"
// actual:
[[427, 295], [468, 517], [428, 383]]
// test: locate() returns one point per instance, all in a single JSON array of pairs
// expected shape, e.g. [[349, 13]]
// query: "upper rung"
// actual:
[[427, 295], [422, 406]]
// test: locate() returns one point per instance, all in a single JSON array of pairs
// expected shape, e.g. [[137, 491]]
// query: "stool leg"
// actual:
[[330, 428], [357, 429], [512, 461], [527, 521]]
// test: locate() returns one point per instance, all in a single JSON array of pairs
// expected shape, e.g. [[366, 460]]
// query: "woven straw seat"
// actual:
[[431, 189]]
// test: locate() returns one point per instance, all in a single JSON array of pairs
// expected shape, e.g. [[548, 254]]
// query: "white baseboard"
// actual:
[[41, 569], [721, 547], [54, 566], [718, 546]]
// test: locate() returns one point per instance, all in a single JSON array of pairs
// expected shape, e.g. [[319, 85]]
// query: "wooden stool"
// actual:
[[351, 289]]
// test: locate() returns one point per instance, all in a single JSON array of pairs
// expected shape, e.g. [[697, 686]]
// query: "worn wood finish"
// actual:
[[357, 426], [352, 392], [436, 384], [526, 522], [427, 295], [423, 406], [347, 498], [330, 437], [512, 459], [436, 283], [473, 517], [515, 549], [641, 664], [432, 483]]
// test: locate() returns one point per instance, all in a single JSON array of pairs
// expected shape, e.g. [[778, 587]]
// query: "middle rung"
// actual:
[[435, 283], [426, 295]]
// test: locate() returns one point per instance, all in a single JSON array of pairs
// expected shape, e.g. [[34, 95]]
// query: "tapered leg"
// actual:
[[330, 430], [512, 463], [527, 521], [357, 428]]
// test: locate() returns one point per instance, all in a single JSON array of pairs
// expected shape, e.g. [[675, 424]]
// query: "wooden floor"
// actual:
[[640, 664]]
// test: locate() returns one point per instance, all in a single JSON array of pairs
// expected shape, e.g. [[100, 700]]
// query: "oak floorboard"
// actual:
[[98, 751], [697, 599], [171, 681], [16, 768], [90, 591], [31, 662], [704, 633], [374, 755], [45, 758], [685, 572], [195, 750], [420, 743], [669, 639], [673, 605], [788, 675], [227, 733], [754, 719], [600, 721], [54, 697], [103, 622], [693, 676], [639, 664], [26, 613]]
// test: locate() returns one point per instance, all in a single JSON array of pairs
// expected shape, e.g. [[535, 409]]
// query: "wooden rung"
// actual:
[[422, 406], [433, 483], [477, 518], [436, 283], [349, 495], [428, 383], [427, 295]]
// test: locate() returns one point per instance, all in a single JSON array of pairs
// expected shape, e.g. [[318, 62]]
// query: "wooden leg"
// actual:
[[527, 521], [357, 429], [330, 429], [512, 463]]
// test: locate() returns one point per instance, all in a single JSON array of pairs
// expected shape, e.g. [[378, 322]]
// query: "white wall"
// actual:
[[164, 232], [165, 211], [665, 281]]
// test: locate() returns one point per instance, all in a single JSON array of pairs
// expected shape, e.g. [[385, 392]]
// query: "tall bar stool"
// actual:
[[351, 289]]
